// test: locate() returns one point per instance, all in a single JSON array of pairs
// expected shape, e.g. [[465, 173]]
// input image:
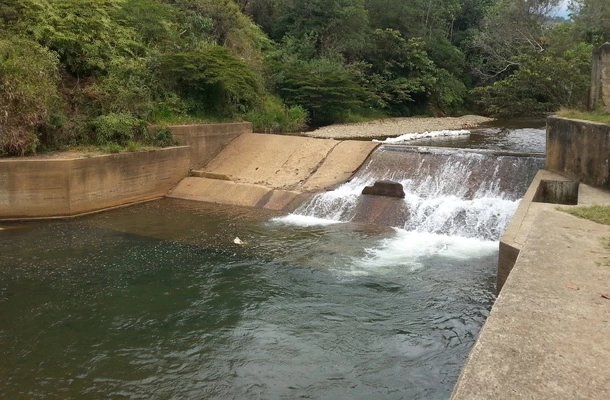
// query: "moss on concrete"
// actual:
[[598, 213], [595, 116]]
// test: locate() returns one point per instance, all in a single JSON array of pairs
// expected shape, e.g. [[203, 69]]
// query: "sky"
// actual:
[[562, 11]]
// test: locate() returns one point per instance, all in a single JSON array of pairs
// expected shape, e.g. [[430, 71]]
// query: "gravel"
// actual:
[[395, 127]]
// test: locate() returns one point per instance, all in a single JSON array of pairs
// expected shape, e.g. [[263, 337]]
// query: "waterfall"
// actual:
[[448, 191]]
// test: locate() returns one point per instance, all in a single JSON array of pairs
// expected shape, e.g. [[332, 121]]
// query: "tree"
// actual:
[[82, 32], [543, 83], [340, 26], [212, 79], [510, 29], [593, 17], [323, 87]]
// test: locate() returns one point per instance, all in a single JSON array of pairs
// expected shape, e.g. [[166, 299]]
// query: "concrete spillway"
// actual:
[[448, 191]]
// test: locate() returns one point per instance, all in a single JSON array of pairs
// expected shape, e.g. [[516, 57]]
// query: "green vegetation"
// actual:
[[598, 213], [600, 116], [98, 72]]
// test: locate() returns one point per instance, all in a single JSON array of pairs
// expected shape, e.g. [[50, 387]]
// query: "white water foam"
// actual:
[[410, 249], [422, 135], [303, 220]]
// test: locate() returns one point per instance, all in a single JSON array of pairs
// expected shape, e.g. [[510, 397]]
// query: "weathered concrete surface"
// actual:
[[274, 161], [67, 187], [579, 150], [518, 229], [599, 92], [270, 171], [342, 162], [232, 193], [547, 334], [207, 140]]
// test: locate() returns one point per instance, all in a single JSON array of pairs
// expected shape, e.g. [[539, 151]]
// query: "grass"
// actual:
[[361, 116], [599, 214], [595, 116]]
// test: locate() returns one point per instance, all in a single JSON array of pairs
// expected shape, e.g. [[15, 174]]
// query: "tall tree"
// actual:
[[511, 28], [593, 17], [340, 26]]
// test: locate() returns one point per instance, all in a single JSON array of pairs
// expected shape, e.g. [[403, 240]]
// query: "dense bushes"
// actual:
[[212, 80], [97, 71], [325, 88], [28, 94], [273, 116]]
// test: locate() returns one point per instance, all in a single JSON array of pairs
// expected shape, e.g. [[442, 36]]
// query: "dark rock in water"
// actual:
[[385, 188]]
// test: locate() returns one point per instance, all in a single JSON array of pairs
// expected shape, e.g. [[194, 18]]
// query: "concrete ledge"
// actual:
[[579, 150], [32, 188], [520, 224], [232, 193], [531, 205], [547, 334]]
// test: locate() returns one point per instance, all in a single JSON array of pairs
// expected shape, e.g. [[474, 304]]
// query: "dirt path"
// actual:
[[396, 126]]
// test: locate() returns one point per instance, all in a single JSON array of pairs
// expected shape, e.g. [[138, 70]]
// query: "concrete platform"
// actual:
[[547, 336]]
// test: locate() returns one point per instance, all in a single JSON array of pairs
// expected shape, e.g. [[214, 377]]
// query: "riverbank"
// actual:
[[396, 126]]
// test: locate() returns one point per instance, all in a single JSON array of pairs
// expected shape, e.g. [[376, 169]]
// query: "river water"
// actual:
[[157, 301]]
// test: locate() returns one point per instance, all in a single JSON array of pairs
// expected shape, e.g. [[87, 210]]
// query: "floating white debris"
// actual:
[[238, 241], [423, 135]]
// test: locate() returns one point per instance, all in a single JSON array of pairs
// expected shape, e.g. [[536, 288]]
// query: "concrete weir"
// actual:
[[547, 334], [272, 171]]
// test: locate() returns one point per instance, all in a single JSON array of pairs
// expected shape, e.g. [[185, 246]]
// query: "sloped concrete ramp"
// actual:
[[271, 171]]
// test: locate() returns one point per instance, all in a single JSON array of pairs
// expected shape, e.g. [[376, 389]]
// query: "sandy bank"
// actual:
[[396, 126]]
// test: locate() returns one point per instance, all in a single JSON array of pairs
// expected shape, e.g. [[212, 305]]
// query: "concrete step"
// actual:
[[235, 193]]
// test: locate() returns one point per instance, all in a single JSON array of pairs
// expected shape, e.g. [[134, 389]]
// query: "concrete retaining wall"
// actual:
[[599, 93], [206, 141], [579, 150], [31, 188]]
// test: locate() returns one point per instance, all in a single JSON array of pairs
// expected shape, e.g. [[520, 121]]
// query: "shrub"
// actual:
[[28, 92], [117, 128], [126, 88], [162, 136], [82, 32], [112, 148], [273, 116]]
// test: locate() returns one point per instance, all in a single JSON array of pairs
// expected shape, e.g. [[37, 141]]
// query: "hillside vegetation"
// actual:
[[75, 72]]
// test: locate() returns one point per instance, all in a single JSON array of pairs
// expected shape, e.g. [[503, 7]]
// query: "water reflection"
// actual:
[[155, 301]]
